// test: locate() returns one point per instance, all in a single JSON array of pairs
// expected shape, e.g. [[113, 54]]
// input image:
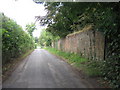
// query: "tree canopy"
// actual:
[[30, 28], [46, 38], [67, 17]]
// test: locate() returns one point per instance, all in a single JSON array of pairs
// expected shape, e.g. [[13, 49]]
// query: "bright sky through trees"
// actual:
[[23, 12]]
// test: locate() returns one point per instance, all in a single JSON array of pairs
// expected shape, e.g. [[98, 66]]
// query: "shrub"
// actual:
[[15, 41]]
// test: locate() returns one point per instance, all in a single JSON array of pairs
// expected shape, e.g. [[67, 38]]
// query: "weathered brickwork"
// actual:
[[89, 44]]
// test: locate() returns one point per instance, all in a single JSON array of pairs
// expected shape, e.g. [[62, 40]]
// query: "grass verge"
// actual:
[[89, 68], [9, 67]]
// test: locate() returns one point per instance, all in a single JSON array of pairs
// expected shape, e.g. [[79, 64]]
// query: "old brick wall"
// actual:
[[89, 44]]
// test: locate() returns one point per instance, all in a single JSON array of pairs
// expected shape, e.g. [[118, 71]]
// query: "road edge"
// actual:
[[92, 80], [16, 62]]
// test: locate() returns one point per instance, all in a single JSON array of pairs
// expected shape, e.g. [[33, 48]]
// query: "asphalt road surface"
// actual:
[[44, 70]]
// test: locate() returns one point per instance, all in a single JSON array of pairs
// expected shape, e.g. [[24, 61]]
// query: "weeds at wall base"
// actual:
[[78, 62], [91, 68]]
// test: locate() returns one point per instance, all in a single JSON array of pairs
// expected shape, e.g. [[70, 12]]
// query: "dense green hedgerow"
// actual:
[[15, 41]]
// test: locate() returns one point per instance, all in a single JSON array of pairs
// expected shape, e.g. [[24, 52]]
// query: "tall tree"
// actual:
[[46, 38], [30, 28]]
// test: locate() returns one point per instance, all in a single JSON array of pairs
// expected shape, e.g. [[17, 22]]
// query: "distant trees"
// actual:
[[30, 28], [46, 38], [66, 17], [15, 41], [36, 39]]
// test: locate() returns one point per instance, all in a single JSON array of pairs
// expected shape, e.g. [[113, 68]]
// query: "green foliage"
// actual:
[[90, 68], [15, 41], [108, 23], [105, 18], [73, 58], [66, 17], [36, 39], [111, 71], [108, 69], [46, 38], [30, 28]]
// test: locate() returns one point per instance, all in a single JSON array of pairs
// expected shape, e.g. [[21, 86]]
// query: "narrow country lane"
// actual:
[[44, 70]]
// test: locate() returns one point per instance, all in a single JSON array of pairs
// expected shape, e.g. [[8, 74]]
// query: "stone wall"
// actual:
[[87, 43]]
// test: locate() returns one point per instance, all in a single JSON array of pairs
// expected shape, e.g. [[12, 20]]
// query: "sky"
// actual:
[[23, 12]]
